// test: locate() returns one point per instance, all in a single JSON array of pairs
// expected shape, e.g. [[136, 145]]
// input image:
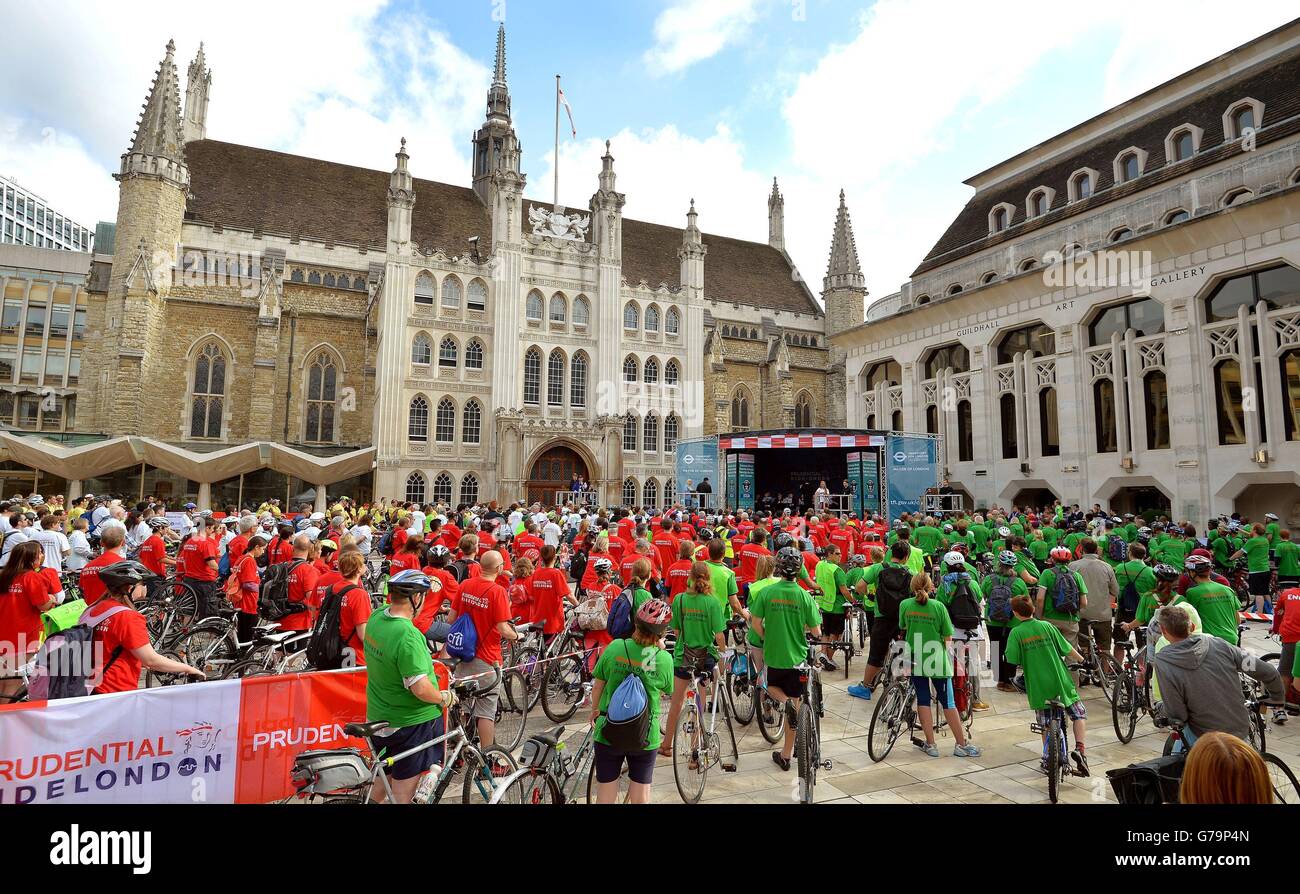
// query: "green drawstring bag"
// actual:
[[61, 617]]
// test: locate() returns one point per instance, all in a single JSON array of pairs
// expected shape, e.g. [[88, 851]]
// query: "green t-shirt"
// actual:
[[724, 585], [1223, 548], [830, 577], [1288, 558], [916, 561], [756, 590], [639, 598], [928, 538], [1174, 552], [1040, 549], [926, 629], [396, 651], [1052, 536], [1048, 582], [1217, 605], [1143, 579], [1038, 647], [1018, 588], [655, 667], [945, 590], [1256, 554], [851, 577], [1273, 531], [1072, 540], [980, 535], [786, 610], [698, 619]]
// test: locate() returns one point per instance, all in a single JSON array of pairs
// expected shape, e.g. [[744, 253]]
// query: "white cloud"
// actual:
[[691, 31]]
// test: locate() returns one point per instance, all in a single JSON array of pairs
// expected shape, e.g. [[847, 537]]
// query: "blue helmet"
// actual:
[[409, 583]]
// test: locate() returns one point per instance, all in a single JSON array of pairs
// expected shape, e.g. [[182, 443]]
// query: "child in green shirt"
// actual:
[[1038, 647]]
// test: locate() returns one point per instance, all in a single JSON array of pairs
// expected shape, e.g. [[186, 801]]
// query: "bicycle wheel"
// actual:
[[1108, 671], [1286, 790], [740, 695], [1258, 736], [886, 723], [249, 667], [528, 786], [153, 678], [1054, 759], [209, 649], [512, 711], [805, 752], [185, 601], [770, 716], [729, 754], [527, 659], [1170, 741], [562, 688], [484, 769], [690, 754], [1124, 707]]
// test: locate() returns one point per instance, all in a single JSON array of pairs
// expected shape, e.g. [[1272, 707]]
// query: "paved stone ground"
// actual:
[[1006, 772]]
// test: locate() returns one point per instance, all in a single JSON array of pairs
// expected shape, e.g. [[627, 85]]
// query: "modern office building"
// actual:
[[27, 219]]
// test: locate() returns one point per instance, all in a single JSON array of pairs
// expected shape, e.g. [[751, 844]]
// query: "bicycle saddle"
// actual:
[[365, 730], [551, 736], [275, 638]]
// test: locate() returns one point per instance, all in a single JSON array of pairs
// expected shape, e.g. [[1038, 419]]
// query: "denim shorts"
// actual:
[[942, 689], [1075, 711], [609, 764], [405, 739]]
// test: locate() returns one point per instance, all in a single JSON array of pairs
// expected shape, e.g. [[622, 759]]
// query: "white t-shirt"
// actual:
[[551, 534], [362, 534], [80, 551], [54, 544], [12, 539]]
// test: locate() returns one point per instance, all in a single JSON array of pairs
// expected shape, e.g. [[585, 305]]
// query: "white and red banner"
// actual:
[[229, 741], [768, 442]]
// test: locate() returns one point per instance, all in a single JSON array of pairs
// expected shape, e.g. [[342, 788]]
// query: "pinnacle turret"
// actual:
[[776, 218], [157, 149], [498, 100], [843, 270]]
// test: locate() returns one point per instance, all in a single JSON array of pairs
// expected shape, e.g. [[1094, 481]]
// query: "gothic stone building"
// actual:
[[1114, 316], [272, 325]]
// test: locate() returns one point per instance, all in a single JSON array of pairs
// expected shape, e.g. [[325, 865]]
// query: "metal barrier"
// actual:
[[931, 503], [576, 497], [693, 499]]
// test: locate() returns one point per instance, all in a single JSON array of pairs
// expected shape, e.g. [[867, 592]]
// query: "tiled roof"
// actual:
[[1274, 85], [257, 189]]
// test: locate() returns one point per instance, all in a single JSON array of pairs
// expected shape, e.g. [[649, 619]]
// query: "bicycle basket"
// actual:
[[322, 772], [1150, 782]]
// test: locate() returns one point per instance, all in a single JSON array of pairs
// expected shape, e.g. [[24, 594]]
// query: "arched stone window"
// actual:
[[322, 393], [533, 376], [415, 487], [581, 311], [469, 489], [578, 380], [442, 488], [555, 379], [533, 307], [448, 353], [650, 433], [208, 394], [476, 297], [474, 354], [417, 427], [451, 293], [421, 350], [672, 373], [631, 316], [424, 289], [630, 371], [445, 427], [472, 422], [652, 372], [740, 410], [672, 321]]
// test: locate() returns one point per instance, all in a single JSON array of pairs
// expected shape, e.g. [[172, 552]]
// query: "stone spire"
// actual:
[[157, 149], [692, 255], [843, 270], [498, 103], [607, 210], [607, 177], [401, 200], [198, 84], [776, 218]]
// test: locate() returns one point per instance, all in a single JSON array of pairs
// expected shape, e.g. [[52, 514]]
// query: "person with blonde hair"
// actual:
[[927, 633], [700, 624], [1222, 769]]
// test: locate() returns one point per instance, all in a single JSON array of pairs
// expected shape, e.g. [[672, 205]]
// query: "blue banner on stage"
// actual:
[[912, 467], [697, 461]]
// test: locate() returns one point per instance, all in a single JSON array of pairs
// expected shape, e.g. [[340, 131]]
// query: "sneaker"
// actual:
[[979, 706], [1080, 763], [931, 749], [857, 690], [1279, 716], [829, 665], [782, 762], [967, 750]]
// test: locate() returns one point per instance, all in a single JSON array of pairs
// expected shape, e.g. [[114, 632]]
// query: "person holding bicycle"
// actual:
[[1038, 647], [1216, 604], [927, 634], [833, 592], [401, 686], [701, 637], [1000, 588], [892, 581], [783, 617]]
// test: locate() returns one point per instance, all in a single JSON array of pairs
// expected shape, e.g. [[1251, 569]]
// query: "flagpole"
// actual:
[[555, 205]]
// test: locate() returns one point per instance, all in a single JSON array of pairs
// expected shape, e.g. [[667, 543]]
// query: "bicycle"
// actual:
[[966, 673], [1286, 788], [846, 644], [1056, 749], [1130, 693], [346, 776], [1097, 667], [740, 679], [808, 735], [274, 654], [1251, 696], [547, 775], [698, 743], [213, 646], [897, 711]]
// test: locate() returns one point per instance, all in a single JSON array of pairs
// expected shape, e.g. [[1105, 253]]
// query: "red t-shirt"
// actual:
[[246, 573], [679, 574], [323, 583], [842, 538], [616, 549], [236, 548], [486, 542], [20, 608], [400, 536], [549, 587], [402, 562], [196, 552], [1288, 602], [91, 586], [665, 545], [626, 529], [487, 604], [749, 555], [356, 611], [279, 551], [302, 588], [125, 630], [525, 542], [151, 555]]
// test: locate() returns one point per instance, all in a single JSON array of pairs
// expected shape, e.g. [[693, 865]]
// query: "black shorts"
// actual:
[[1259, 582], [609, 764], [687, 672], [788, 679], [1121, 618], [883, 632], [832, 624], [407, 738]]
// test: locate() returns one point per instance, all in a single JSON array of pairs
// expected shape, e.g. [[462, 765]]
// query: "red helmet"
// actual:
[[1062, 554], [654, 614]]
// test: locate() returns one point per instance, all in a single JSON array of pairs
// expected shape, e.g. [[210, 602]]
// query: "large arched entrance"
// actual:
[[553, 471]]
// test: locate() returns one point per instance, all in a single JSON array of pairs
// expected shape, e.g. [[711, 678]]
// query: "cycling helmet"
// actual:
[[329, 545], [947, 529], [157, 523], [654, 615], [1271, 516], [788, 562], [1004, 532], [954, 558], [439, 550], [1116, 520], [1144, 531], [1007, 558], [1062, 554], [1166, 572], [409, 583], [960, 548], [783, 540], [1197, 564], [1080, 525], [126, 573], [857, 560], [602, 565]]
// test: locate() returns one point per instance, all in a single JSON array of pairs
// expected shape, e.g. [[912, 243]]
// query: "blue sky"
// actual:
[[896, 101]]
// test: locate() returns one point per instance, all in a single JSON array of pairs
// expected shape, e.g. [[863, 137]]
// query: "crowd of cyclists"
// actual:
[[426, 596]]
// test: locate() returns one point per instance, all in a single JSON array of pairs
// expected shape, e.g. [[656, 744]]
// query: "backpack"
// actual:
[[592, 613], [619, 623], [273, 596], [462, 639], [1129, 596], [460, 569], [1000, 596], [1065, 595], [577, 567], [386, 542], [1116, 548], [963, 608], [627, 717], [65, 664], [223, 567], [891, 589], [325, 648]]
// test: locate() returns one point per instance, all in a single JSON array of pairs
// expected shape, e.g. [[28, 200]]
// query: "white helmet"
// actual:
[[954, 558]]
